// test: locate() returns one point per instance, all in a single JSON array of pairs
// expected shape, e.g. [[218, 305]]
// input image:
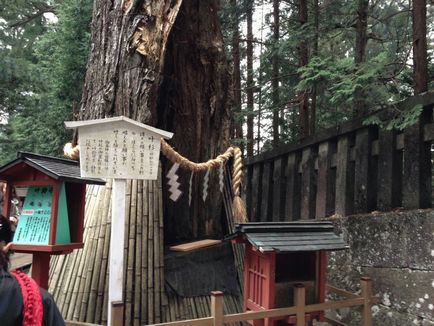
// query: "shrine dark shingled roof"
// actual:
[[291, 236], [57, 168]]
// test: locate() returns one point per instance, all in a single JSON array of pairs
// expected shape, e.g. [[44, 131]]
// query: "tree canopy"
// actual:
[[357, 58]]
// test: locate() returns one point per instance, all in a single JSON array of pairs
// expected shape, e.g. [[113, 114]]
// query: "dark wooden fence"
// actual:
[[351, 169]]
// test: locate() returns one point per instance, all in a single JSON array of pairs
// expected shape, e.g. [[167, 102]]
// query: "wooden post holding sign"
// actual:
[[118, 148]]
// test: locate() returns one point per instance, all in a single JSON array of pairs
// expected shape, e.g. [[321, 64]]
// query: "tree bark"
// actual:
[[315, 52], [359, 52], [303, 57], [420, 55], [275, 73], [249, 91], [236, 73], [162, 63]]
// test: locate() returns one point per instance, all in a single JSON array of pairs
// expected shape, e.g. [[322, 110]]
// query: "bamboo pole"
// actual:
[[105, 234], [94, 289], [89, 291], [151, 316], [91, 265], [157, 246], [68, 273], [144, 246], [102, 301], [130, 227], [138, 256], [74, 288]]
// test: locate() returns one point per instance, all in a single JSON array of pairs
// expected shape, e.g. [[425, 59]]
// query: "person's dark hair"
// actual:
[[6, 237], [5, 230]]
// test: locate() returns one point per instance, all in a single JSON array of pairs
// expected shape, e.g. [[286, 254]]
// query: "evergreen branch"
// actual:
[[41, 9], [384, 20]]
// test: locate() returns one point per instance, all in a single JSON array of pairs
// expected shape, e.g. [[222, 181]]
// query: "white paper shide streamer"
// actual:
[[205, 185], [174, 190]]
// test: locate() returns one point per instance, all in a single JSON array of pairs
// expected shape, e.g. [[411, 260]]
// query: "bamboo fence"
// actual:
[[79, 281]]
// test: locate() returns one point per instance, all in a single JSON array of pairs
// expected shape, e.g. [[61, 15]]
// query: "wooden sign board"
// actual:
[[34, 221], [118, 148]]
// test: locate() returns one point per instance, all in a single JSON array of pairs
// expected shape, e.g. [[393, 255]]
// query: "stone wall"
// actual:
[[396, 250]]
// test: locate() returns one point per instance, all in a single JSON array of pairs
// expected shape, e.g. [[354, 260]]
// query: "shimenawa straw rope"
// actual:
[[238, 205]]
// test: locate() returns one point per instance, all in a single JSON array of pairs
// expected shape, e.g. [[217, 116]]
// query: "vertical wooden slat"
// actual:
[[256, 192], [307, 184], [416, 192], [366, 286], [249, 189], [389, 177], [292, 197], [117, 313], [300, 302], [344, 184], [324, 189], [267, 191], [278, 189], [217, 308], [363, 192]]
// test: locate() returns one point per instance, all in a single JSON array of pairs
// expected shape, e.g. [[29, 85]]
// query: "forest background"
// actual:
[[297, 67]]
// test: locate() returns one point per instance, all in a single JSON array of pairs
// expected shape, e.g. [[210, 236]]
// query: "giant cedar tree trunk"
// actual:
[[161, 62]]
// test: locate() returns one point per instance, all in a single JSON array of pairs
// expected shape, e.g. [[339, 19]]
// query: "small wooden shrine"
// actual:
[[280, 255], [51, 220]]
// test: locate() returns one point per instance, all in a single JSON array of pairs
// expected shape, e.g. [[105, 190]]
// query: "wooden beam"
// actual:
[[300, 302], [364, 192], [307, 184], [278, 190], [324, 180], [416, 185], [344, 178], [267, 192], [195, 245], [256, 193], [333, 322], [389, 171], [217, 308], [292, 200], [366, 285], [117, 313], [426, 99], [341, 292]]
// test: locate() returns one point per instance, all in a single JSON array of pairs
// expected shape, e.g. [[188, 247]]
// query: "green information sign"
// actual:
[[34, 222]]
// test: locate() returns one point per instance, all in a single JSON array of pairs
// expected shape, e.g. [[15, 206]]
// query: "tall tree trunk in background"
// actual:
[[420, 56], [275, 74], [249, 88], [359, 52], [162, 62], [303, 57], [315, 53], [236, 73]]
